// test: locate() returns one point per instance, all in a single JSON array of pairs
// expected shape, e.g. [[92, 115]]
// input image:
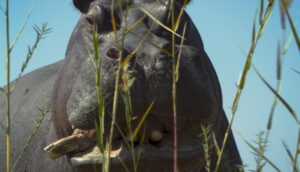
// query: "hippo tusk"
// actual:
[[67, 145], [93, 157]]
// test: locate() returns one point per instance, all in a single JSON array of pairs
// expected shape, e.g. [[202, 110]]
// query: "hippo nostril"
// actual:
[[113, 53]]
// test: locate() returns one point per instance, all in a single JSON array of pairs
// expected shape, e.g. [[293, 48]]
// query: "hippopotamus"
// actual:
[[55, 109]]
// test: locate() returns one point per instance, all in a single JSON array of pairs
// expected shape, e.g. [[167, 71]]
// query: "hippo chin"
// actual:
[[67, 130]]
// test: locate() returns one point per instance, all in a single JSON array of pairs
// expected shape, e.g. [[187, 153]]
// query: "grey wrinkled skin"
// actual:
[[68, 89]]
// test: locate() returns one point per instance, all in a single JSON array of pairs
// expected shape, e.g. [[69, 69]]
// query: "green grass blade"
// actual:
[[95, 42], [278, 86], [179, 54], [288, 151], [139, 154], [206, 147], [178, 21], [296, 168], [159, 22], [136, 24], [216, 145], [261, 12], [274, 104], [263, 156], [113, 21], [153, 44], [288, 107], [254, 28], [21, 29], [122, 135], [286, 45], [123, 164], [293, 27], [298, 72], [279, 61], [138, 127], [99, 138], [247, 65], [36, 128]]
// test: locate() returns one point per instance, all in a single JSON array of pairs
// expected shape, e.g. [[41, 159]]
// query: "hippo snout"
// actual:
[[82, 106]]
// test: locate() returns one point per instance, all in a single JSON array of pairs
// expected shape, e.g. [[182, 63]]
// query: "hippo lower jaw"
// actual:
[[82, 150]]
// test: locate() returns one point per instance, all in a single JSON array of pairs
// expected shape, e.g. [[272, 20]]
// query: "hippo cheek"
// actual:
[[196, 88]]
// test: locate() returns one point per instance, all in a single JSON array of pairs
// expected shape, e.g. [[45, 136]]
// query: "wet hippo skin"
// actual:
[[66, 92]]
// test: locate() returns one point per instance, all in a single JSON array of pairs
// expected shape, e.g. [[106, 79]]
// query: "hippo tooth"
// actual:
[[93, 157], [71, 144], [156, 136], [85, 161]]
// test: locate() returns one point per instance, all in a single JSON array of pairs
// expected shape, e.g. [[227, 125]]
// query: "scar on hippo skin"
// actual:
[[199, 96]]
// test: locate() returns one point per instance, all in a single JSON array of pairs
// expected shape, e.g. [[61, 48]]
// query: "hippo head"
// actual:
[[142, 55]]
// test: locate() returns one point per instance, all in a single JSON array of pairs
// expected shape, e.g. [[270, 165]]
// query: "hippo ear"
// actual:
[[82, 5]]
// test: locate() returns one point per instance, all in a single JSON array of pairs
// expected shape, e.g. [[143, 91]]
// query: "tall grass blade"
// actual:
[[174, 90], [113, 21], [274, 104], [296, 168], [263, 156], [216, 145], [136, 24], [177, 23], [206, 147], [262, 145], [243, 77], [286, 45], [159, 22], [254, 29], [123, 164], [139, 154], [117, 83], [99, 138], [261, 12], [279, 61], [36, 128], [288, 107], [21, 29], [298, 72], [95, 42], [292, 25], [179, 55], [282, 17], [288, 151], [8, 91], [278, 86], [242, 80], [141, 122], [40, 33]]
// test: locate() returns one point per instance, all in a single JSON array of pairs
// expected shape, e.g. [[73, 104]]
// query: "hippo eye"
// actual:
[[90, 21], [113, 53]]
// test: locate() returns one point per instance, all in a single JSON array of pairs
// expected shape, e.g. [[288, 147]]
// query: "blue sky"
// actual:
[[226, 32]]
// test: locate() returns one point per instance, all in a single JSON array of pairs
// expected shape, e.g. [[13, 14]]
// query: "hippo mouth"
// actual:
[[82, 149]]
